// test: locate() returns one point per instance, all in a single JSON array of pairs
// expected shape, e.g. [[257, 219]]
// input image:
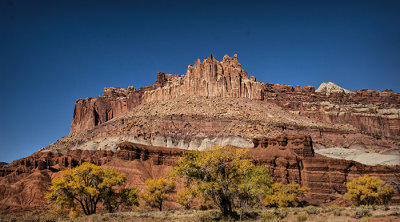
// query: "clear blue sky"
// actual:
[[54, 52]]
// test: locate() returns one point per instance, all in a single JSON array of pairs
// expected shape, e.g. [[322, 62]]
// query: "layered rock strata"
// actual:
[[289, 158], [186, 111], [91, 112], [209, 78], [374, 113]]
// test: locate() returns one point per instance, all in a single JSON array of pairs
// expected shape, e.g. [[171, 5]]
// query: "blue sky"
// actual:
[[54, 52]]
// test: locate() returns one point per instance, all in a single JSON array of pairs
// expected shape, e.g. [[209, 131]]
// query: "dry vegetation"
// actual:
[[325, 214]]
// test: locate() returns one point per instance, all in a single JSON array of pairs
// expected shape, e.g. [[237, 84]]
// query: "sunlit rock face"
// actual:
[[319, 138], [373, 113], [24, 182]]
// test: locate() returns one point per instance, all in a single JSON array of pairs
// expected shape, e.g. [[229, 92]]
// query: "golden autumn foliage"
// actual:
[[157, 190], [288, 195], [368, 190], [86, 186], [226, 175], [186, 196]]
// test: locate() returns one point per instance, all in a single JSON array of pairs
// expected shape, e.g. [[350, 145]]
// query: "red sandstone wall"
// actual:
[[374, 113], [24, 181]]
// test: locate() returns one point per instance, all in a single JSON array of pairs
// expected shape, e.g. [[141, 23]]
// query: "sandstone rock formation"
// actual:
[[330, 87], [91, 112], [139, 131], [289, 158], [373, 113], [209, 78], [24, 182]]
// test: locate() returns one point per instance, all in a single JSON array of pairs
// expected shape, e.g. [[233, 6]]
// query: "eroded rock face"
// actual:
[[91, 112], [216, 102], [374, 113], [209, 78], [301, 145], [24, 182]]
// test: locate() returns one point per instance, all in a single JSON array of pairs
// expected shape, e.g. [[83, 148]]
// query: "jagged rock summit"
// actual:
[[330, 87], [209, 78], [372, 112]]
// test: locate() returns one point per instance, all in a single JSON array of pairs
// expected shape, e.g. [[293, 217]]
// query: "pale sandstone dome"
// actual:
[[330, 87]]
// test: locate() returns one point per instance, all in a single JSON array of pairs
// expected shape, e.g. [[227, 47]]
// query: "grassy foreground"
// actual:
[[323, 214]]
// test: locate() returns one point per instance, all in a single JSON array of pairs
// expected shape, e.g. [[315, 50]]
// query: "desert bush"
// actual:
[[250, 215], [331, 208], [270, 217], [396, 214], [206, 216], [302, 217], [105, 218], [369, 190], [312, 210], [281, 213], [362, 212], [336, 210]]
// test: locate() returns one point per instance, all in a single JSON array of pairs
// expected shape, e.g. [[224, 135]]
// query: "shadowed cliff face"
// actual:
[[373, 113], [24, 182]]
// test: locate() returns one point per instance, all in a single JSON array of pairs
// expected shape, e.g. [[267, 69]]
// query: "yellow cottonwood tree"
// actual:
[[157, 190], [224, 175], [368, 190], [288, 195], [186, 196], [86, 186]]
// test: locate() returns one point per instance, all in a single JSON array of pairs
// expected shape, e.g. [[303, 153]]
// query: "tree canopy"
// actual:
[[369, 190], [225, 175], [186, 196], [157, 190], [281, 195], [87, 185]]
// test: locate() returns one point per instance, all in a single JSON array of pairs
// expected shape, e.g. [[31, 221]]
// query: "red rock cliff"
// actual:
[[91, 112], [372, 112], [24, 182], [209, 78]]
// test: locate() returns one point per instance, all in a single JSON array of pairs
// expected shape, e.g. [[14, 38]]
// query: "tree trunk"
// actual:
[[226, 206]]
